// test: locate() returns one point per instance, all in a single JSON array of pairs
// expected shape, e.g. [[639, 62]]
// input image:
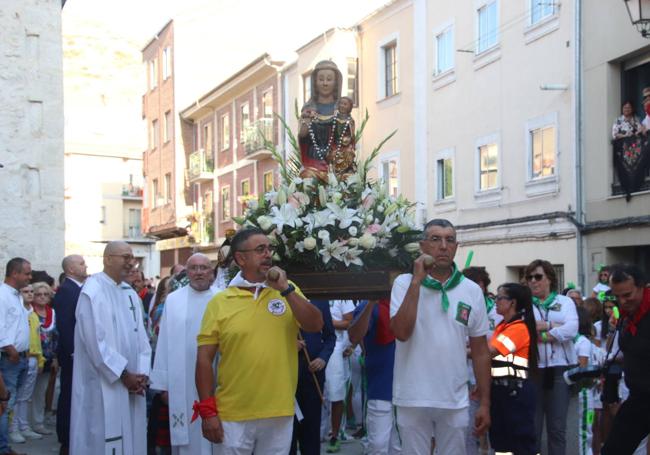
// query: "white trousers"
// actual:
[[38, 398], [337, 375], [262, 436], [383, 438], [20, 422], [585, 422], [418, 425]]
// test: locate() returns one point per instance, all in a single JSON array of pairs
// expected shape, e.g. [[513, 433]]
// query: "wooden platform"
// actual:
[[375, 284]]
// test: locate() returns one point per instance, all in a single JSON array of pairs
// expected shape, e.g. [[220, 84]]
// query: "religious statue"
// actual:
[[326, 134]]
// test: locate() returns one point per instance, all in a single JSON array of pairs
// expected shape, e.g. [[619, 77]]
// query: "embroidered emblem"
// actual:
[[179, 420], [492, 324], [277, 307], [462, 313], [556, 307]]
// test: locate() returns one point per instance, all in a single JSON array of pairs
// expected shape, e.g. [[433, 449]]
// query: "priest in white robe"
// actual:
[[175, 359], [112, 359]]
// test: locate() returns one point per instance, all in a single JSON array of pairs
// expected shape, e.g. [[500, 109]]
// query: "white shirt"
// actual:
[[430, 367], [14, 323], [600, 287], [560, 351], [338, 308]]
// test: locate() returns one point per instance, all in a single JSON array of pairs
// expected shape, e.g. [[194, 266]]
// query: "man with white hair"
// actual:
[[173, 371]]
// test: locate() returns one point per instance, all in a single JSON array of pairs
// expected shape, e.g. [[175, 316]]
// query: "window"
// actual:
[[168, 188], [245, 190], [167, 131], [541, 9], [102, 214], [267, 104], [543, 152], [155, 134], [444, 51], [487, 27], [134, 229], [488, 167], [306, 87], [390, 175], [225, 132], [207, 138], [245, 120], [445, 173], [153, 73], [154, 193], [268, 181], [225, 203], [390, 69], [167, 63], [353, 71]]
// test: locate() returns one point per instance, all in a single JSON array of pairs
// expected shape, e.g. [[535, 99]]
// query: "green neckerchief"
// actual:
[[546, 304], [489, 303], [455, 278]]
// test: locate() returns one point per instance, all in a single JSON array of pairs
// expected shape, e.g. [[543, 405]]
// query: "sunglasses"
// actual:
[[535, 277]]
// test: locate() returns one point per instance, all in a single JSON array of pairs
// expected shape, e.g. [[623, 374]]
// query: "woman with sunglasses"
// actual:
[[514, 355], [557, 326]]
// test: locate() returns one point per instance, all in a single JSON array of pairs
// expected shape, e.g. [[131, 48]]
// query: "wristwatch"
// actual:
[[288, 290], [124, 373], [8, 397]]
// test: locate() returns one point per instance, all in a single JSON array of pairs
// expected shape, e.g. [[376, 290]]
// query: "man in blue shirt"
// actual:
[[319, 345], [372, 325]]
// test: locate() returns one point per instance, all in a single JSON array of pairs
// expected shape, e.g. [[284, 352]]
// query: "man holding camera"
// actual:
[[631, 424]]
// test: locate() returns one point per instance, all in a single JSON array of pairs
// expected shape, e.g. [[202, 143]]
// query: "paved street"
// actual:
[[49, 445]]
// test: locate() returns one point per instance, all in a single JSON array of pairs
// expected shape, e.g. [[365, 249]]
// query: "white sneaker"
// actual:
[[30, 434], [42, 430], [16, 438]]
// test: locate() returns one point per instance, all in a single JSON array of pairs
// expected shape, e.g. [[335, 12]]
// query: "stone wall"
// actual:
[[31, 134]]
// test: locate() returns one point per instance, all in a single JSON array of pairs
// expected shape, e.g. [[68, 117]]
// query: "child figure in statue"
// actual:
[[317, 132], [342, 154]]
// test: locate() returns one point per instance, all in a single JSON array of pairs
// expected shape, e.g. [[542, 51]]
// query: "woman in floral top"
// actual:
[[49, 337], [627, 124]]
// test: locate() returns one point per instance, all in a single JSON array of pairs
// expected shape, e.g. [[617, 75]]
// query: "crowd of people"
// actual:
[[442, 365]]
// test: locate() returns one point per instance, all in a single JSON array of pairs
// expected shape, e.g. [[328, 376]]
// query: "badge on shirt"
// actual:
[[462, 313], [556, 307], [277, 307], [492, 324]]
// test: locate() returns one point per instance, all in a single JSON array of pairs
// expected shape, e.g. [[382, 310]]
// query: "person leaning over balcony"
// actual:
[[627, 124], [433, 310], [557, 326], [254, 325]]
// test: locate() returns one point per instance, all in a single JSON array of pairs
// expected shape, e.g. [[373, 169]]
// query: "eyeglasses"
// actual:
[[27, 292], [41, 294], [261, 249], [199, 268], [535, 277], [502, 297], [126, 257], [438, 240]]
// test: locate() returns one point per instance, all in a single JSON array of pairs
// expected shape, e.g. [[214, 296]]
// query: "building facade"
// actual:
[[31, 134]]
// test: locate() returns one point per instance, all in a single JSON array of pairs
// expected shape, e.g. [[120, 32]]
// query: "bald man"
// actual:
[[112, 358], [175, 360], [65, 303]]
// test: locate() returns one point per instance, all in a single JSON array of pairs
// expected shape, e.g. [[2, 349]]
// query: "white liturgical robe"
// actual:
[[109, 337], [175, 364]]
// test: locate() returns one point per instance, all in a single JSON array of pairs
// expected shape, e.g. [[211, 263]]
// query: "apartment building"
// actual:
[[615, 69]]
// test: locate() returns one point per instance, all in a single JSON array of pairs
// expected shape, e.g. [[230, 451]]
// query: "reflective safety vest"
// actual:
[[511, 341]]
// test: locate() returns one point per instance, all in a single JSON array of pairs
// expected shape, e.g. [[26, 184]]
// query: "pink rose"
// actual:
[[373, 229]]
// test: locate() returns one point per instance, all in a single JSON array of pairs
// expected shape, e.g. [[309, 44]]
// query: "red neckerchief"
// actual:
[[48, 317], [640, 313], [384, 335], [143, 293]]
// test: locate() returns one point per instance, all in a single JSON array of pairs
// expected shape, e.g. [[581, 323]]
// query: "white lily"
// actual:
[[331, 250], [351, 256], [285, 215], [318, 219], [344, 215]]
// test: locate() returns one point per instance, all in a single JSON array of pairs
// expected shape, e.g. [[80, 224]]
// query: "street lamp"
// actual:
[[639, 11]]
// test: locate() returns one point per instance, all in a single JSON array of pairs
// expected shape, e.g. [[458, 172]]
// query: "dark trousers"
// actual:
[[306, 434], [513, 419], [631, 425], [63, 406], [553, 396]]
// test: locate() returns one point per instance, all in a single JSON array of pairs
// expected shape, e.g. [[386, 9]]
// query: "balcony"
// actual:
[[254, 138], [631, 166], [201, 167], [202, 228], [131, 192]]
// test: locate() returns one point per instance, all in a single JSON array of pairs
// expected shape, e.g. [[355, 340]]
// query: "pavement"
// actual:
[[49, 445]]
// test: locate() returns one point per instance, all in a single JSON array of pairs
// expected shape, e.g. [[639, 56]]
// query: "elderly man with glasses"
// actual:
[[112, 358], [254, 325]]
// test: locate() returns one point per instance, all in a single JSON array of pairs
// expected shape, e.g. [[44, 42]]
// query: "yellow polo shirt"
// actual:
[[258, 369]]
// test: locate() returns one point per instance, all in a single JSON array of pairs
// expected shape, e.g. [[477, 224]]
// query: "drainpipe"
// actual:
[[580, 214]]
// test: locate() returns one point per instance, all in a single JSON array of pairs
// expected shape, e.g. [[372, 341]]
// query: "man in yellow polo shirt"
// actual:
[[254, 325]]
